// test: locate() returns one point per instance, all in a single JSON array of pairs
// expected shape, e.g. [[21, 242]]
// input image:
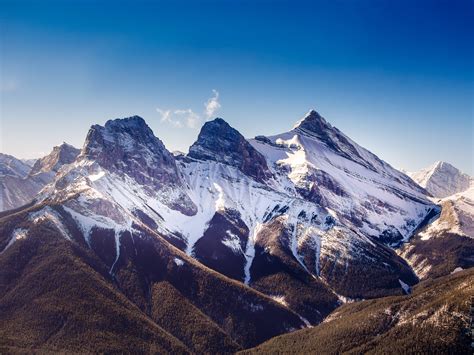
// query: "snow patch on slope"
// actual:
[[280, 299], [87, 223], [48, 214], [406, 288], [17, 234], [250, 251], [232, 241], [381, 196], [178, 261]]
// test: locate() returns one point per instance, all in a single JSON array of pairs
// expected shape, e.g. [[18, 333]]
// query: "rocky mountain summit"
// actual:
[[128, 148], [221, 143], [50, 164]]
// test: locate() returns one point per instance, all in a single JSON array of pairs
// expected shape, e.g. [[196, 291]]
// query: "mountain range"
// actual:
[[21, 181], [123, 245]]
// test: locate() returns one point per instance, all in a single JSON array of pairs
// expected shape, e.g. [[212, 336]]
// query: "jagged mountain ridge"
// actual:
[[20, 183], [11, 166], [50, 164], [457, 215], [442, 179], [129, 147]]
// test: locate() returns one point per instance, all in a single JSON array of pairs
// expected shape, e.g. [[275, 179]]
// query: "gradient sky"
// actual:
[[395, 76]]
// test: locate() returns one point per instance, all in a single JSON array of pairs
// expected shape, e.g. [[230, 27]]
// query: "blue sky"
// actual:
[[396, 76]]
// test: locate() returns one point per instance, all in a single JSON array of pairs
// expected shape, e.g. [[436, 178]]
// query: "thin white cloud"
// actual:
[[168, 117], [187, 117], [212, 105], [165, 114], [190, 118]]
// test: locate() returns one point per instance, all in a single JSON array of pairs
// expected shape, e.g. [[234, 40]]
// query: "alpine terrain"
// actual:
[[20, 182], [124, 246], [447, 244]]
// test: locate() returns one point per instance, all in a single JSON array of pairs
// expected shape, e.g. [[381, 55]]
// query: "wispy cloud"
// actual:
[[190, 118], [168, 117], [212, 105], [180, 118]]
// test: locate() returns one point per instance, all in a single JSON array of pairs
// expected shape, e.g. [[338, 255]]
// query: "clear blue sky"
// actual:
[[396, 76]]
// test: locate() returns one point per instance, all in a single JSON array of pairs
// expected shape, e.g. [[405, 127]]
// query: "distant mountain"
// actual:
[[29, 162], [442, 179], [20, 182], [447, 243], [11, 166], [433, 319]]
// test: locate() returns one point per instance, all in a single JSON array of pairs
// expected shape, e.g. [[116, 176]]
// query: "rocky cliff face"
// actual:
[[221, 143], [127, 150], [129, 146], [49, 165]]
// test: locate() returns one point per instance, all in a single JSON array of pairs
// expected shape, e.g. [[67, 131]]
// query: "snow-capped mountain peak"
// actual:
[[119, 134], [327, 167], [314, 126], [442, 179], [312, 121], [128, 145], [126, 153], [220, 142]]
